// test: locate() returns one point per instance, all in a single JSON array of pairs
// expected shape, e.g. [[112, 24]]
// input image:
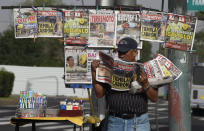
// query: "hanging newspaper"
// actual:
[[161, 71], [49, 22], [76, 27], [128, 25], [180, 32], [76, 66], [25, 23], [153, 25], [102, 29]]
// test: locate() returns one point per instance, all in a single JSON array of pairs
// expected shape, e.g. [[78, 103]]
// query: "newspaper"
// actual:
[[25, 23], [78, 64], [161, 71], [76, 27], [102, 29], [49, 22], [120, 74], [128, 25], [153, 26], [180, 32], [115, 72]]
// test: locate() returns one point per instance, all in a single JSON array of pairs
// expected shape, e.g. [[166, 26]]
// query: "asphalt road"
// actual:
[[8, 111]]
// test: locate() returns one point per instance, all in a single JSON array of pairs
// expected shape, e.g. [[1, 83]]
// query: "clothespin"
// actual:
[[34, 9], [43, 6], [87, 10], [140, 10], [34, 38], [148, 10], [120, 9], [96, 9], [19, 7], [174, 11], [191, 17], [74, 9]]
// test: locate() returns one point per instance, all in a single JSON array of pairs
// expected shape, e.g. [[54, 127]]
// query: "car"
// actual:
[[197, 88]]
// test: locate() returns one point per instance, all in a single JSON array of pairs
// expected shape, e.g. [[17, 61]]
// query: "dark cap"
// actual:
[[126, 44]]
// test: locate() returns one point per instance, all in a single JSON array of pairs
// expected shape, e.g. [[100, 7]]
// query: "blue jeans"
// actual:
[[118, 124]]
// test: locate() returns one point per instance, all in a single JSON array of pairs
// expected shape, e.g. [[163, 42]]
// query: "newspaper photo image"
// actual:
[[25, 23], [76, 27], [128, 25], [49, 22], [153, 26], [180, 32], [102, 29]]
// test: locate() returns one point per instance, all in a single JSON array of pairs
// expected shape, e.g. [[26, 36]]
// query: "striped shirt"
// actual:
[[124, 102]]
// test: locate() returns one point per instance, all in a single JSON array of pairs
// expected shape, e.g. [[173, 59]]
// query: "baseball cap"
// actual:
[[126, 44]]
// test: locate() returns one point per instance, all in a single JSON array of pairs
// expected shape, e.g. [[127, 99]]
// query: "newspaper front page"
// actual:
[[76, 66], [153, 26], [76, 27], [49, 22], [25, 23], [102, 29], [128, 25], [180, 32]]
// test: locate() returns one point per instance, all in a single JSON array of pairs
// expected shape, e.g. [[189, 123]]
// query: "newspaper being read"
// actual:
[[161, 71], [115, 72], [120, 74]]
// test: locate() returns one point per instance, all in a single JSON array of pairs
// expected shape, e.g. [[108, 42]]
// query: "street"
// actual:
[[8, 111]]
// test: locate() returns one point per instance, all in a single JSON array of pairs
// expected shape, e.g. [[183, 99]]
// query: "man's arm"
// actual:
[[151, 93], [99, 90]]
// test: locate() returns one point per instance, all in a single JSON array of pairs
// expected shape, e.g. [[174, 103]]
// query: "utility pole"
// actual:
[[179, 91]]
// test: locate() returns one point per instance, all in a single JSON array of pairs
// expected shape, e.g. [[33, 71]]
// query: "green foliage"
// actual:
[[200, 15], [26, 52], [146, 51], [199, 46], [6, 83]]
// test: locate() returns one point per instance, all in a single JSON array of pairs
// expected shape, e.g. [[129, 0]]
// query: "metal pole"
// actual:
[[179, 99], [179, 92]]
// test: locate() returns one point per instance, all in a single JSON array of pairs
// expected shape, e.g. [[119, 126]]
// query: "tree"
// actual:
[[199, 46], [26, 52], [146, 51]]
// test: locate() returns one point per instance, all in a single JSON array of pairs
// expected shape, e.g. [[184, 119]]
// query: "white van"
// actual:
[[197, 91]]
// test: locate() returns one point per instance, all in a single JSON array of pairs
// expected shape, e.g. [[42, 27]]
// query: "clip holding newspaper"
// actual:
[[120, 74]]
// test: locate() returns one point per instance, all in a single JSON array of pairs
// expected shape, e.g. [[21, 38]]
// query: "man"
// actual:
[[72, 68], [127, 112]]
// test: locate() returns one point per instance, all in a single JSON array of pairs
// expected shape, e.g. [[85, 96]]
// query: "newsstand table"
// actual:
[[76, 121]]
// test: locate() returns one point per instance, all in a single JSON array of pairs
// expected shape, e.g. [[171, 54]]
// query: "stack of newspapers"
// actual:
[[119, 74]]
